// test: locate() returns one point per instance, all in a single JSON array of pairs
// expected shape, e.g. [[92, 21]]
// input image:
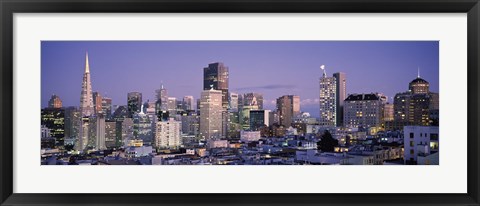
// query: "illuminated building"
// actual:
[[233, 101], [168, 134], [110, 134], [340, 95], [259, 119], [134, 100], [97, 102], [162, 99], [86, 97], [54, 119], [415, 106], [216, 76], [288, 106], [55, 102], [364, 110], [253, 99], [107, 107], [211, 114], [188, 103]]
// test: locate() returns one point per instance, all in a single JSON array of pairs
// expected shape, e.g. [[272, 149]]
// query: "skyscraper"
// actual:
[[259, 119], [211, 114], [172, 106], [107, 107], [142, 127], [340, 95], [100, 132], [288, 106], [110, 134], [97, 102], [253, 99], [55, 102], [414, 106], [328, 100], [162, 98], [233, 101], [86, 97], [216, 76], [134, 100], [188, 103]]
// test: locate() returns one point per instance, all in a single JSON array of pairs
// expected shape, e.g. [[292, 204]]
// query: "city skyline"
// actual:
[[253, 67]]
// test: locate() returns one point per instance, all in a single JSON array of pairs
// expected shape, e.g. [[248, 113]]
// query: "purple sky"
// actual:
[[274, 68]]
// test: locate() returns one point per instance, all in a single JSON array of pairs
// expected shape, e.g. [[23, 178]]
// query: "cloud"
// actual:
[[267, 87]]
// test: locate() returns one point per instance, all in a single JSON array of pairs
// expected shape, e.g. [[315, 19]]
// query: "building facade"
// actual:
[[211, 114], [134, 100], [288, 106], [216, 76], [55, 102], [364, 110], [168, 134], [421, 143], [414, 106], [86, 96]]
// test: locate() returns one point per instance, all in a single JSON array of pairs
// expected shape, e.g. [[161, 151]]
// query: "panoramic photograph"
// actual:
[[239, 103]]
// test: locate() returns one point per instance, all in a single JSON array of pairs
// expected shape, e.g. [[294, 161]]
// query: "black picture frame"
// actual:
[[10, 7]]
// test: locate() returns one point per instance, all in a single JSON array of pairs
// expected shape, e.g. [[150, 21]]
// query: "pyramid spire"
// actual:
[[87, 66]]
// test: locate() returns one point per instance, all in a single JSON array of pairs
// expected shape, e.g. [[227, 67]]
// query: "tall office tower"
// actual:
[[142, 127], [168, 134], [54, 119], [414, 106], [55, 102], [127, 130], [253, 99], [107, 107], [179, 106], [233, 102], [97, 102], [162, 98], [188, 103], [364, 110], [83, 136], [134, 100], [244, 116], [240, 101], [198, 105], [328, 100], [110, 134], [190, 123], [100, 132], [259, 119], [86, 97], [72, 123], [388, 112], [216, 76], [233, 124], [172, 106], [211, 110], [288, 106], [340, 95]]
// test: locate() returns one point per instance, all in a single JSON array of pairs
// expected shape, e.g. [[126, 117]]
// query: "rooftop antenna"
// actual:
[[418, 72], [322, 67]]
